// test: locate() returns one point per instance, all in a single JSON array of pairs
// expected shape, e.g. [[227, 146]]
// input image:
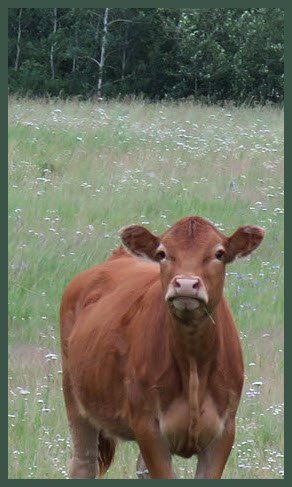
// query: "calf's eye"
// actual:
[[219, 254], [161, 255]]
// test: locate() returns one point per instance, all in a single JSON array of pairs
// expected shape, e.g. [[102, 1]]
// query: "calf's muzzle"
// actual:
[[187, 287], [186, 293]]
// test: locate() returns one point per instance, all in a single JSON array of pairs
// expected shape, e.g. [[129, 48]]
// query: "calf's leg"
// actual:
[[212, 460], [83, 462], [154, 449]]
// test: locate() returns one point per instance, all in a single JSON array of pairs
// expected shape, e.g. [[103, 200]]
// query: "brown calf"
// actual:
[[150, 351]]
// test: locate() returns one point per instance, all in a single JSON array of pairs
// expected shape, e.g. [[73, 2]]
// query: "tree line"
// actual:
[[211, 55]]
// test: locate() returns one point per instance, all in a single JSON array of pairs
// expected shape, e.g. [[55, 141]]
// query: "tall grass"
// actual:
[[80, 171]]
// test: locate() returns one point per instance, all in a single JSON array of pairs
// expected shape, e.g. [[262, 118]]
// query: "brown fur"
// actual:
[[133, 370]]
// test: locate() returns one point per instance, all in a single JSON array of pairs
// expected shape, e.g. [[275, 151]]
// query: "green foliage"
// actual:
[[212, 54]]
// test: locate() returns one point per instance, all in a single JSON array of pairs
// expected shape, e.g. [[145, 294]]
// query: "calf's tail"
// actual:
[[106, 453]]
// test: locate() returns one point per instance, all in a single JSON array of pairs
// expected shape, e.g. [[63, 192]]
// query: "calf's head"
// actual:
[[192, 255]]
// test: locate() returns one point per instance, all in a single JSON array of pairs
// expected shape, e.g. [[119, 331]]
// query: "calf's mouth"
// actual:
[[187, 310], [185, 303]]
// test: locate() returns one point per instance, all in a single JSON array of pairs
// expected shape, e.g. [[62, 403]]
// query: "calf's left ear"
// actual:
[[243, 242], [139, 241]]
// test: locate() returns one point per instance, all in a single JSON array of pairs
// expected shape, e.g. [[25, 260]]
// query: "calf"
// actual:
[[150, 351]]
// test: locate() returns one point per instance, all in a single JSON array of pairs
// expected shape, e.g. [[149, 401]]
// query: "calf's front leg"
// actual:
[[212, 460], [154, 448]]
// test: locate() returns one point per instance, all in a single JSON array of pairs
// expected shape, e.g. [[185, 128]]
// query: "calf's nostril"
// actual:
[[186, 285]]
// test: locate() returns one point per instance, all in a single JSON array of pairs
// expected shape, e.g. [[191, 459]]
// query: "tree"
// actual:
[[102, 52], [16, 65], [210, 54], [53, 44]]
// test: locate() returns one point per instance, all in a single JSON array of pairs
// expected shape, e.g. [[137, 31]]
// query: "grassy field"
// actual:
[[80, 171]]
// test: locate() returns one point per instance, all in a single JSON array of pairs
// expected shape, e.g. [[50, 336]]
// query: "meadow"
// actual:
[[78, 171]]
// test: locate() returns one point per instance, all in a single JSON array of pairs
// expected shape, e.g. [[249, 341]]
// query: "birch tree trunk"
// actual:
[[123, 63], [16, 65], [102, 53], [53, 44], [74, 62], [124, 53]]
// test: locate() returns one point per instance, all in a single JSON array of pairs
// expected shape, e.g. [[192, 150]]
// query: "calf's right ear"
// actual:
[[139, 241]]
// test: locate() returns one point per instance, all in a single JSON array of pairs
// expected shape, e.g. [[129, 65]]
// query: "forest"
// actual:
[[211, 55]]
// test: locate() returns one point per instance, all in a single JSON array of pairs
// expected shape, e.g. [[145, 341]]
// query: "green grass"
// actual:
[[80, 171]]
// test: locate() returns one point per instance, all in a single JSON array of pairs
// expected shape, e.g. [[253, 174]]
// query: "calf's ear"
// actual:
[[243, 242], [139, 241]]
